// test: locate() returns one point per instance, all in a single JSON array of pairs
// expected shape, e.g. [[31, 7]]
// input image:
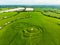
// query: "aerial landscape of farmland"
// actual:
[[31, 25]]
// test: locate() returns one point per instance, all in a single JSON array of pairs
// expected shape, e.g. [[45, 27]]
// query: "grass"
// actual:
[[46, 30]]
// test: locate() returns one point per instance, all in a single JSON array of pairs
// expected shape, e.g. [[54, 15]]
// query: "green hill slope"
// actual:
[[29, 28]]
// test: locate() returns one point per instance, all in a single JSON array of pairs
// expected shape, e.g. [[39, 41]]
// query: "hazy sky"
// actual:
[[30, 2]]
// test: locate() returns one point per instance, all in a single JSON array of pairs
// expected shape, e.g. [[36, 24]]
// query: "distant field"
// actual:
[[41, 27], [4, 9]]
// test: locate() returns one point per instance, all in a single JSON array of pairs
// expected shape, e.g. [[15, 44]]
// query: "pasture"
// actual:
[[30, 28]]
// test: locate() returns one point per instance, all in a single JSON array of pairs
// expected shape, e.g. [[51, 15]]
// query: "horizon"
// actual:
[[33, 5], [30, 2]]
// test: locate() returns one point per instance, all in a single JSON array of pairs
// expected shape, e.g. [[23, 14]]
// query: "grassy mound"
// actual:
[[29, 28]]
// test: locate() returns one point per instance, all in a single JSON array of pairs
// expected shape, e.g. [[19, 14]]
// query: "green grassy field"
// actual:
[[30, 28], [4, 9]]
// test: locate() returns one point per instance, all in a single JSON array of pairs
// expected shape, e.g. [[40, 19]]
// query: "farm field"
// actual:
[[39, 27]]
